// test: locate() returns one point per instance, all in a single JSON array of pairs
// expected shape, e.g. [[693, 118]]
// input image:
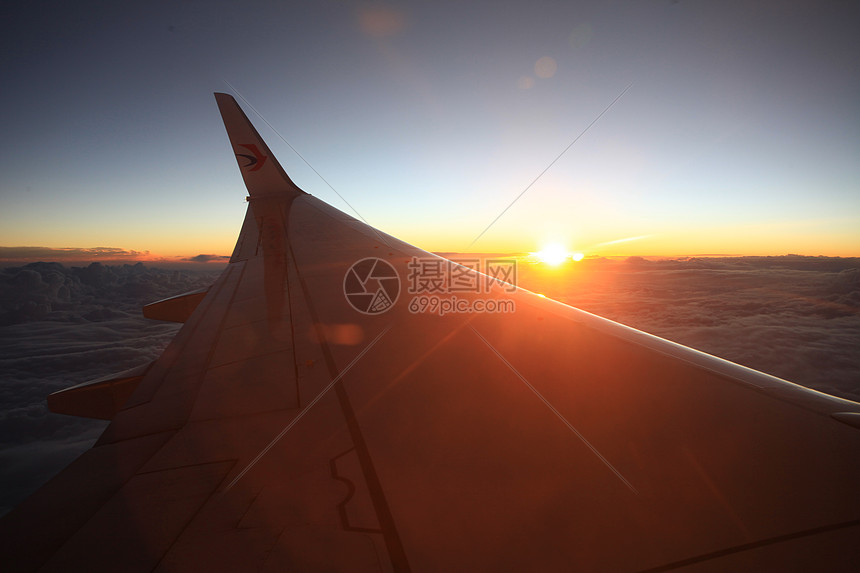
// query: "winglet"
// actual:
[[262, 173]]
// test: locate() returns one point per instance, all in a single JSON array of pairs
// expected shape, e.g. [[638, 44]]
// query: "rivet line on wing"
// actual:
[[305, 410]]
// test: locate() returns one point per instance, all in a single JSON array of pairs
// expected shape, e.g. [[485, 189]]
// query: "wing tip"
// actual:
[[261, 171]]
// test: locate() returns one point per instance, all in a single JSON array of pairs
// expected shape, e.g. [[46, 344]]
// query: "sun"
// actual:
[[552, 254]]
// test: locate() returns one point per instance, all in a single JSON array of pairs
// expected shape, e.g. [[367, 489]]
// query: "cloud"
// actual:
[[51, 291], [207, 258], [61, 326], [619, 241], [38, 358], [27, 254]]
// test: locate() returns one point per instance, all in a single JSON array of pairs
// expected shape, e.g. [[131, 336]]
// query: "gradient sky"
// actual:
[[740, 133]]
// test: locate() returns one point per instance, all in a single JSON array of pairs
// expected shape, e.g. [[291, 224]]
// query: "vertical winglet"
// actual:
[[262, 173]]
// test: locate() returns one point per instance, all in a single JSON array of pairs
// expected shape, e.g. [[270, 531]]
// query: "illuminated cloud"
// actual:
[[28, 254], [208, 259], [619, 241]]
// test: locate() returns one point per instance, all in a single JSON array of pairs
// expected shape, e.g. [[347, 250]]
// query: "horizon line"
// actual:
[[214, 262]]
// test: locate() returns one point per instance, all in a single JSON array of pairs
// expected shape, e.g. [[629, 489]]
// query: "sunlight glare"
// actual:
[[552, 254]]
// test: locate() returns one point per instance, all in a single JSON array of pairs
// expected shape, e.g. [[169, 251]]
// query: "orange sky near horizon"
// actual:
[[808, 238], [747, 240]]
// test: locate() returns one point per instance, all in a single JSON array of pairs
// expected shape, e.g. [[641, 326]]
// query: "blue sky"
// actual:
[[740, 133]]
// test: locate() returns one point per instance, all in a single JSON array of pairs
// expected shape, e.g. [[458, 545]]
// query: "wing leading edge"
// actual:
[[283, 428]]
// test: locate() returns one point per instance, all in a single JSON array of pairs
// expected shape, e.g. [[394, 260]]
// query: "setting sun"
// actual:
[[552, 254]]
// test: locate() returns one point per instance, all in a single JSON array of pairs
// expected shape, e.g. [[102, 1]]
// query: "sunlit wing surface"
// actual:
[[283, 429]]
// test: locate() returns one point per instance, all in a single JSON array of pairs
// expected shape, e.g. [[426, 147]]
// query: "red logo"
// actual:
[[255, 162]]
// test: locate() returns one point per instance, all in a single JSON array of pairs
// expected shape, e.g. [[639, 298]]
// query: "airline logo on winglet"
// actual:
[[256, 161]]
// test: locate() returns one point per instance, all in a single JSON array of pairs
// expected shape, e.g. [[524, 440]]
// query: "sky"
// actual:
[[739, 133]]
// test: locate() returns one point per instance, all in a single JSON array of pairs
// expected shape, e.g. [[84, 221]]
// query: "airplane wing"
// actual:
[[340, 400]]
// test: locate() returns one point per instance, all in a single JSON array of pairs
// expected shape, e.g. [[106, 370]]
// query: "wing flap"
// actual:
[[100, 399], [176, 308]]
